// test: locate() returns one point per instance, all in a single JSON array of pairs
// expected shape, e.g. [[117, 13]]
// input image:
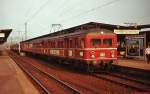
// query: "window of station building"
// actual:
[[107, 42], [95, 42]]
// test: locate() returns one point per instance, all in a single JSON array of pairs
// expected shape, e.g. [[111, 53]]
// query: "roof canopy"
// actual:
[[4, 35], [93, 25]]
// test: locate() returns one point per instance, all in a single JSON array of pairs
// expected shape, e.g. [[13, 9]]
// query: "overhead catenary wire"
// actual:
[[41, 8], [38, 11], [69, 19], [60, 6], [85, 12], [144, 18], [93, 9]]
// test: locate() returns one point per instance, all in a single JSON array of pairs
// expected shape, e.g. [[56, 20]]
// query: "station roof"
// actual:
[[89, 26], [145, 28], [4, 35], [79, 27]]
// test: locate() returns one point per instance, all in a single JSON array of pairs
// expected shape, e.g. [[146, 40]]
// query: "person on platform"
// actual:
[[147, 51]]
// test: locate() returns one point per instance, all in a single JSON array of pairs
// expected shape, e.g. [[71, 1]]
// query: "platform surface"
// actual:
[[132, 63], [13, 79]]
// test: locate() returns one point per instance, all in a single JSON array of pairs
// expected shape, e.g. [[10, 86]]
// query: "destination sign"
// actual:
[[117, 31]]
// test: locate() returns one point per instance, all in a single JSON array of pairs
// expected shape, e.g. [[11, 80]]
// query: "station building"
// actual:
[[133, 42]]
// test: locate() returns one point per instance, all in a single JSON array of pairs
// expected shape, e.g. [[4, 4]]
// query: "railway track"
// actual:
[[131, 78], [112, 78], [42, 77], [124, 81], [45, 90]]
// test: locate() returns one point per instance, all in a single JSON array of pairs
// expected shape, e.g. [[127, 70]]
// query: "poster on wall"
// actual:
[[134, 46]]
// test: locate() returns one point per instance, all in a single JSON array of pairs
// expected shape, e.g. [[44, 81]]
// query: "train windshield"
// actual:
[[107, 42], [95, 42]]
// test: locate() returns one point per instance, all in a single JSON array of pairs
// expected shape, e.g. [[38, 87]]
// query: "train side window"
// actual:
[[30, 45], [95, 42], [53, 43], [49, 44], [107, 42], [61, 44], [82, 43], [58, 44], [66, 44], [76, 42], [70, 44]]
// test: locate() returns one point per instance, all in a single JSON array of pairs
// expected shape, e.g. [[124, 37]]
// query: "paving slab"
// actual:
[[13, 80], [139, 64]]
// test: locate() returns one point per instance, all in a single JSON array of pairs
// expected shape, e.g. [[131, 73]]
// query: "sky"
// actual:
[[41, 14]]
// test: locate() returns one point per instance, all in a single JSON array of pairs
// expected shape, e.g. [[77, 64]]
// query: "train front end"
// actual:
[[101, 49]]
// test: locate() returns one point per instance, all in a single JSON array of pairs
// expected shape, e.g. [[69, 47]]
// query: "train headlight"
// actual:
[[92, 56], [112, 54]]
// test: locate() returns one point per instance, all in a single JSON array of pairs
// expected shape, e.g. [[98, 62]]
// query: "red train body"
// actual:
[[94, 47]]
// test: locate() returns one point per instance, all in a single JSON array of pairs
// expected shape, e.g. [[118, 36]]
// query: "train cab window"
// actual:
[[95, 42], [107, 42]]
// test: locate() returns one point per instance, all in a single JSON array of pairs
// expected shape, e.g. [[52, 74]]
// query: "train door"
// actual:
[[135, 47]]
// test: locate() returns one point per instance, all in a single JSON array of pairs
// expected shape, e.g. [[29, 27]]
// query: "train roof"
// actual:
[[86, 26]]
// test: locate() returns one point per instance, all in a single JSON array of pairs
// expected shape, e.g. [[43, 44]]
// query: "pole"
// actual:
[[25, 30]]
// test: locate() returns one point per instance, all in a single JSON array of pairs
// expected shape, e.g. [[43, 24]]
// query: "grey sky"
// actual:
[[40, 14]]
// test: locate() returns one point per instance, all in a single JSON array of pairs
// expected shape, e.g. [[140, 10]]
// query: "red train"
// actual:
[[89, 48]]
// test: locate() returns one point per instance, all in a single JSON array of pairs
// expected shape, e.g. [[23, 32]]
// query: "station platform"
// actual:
[[12, 78], [135, 64]]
